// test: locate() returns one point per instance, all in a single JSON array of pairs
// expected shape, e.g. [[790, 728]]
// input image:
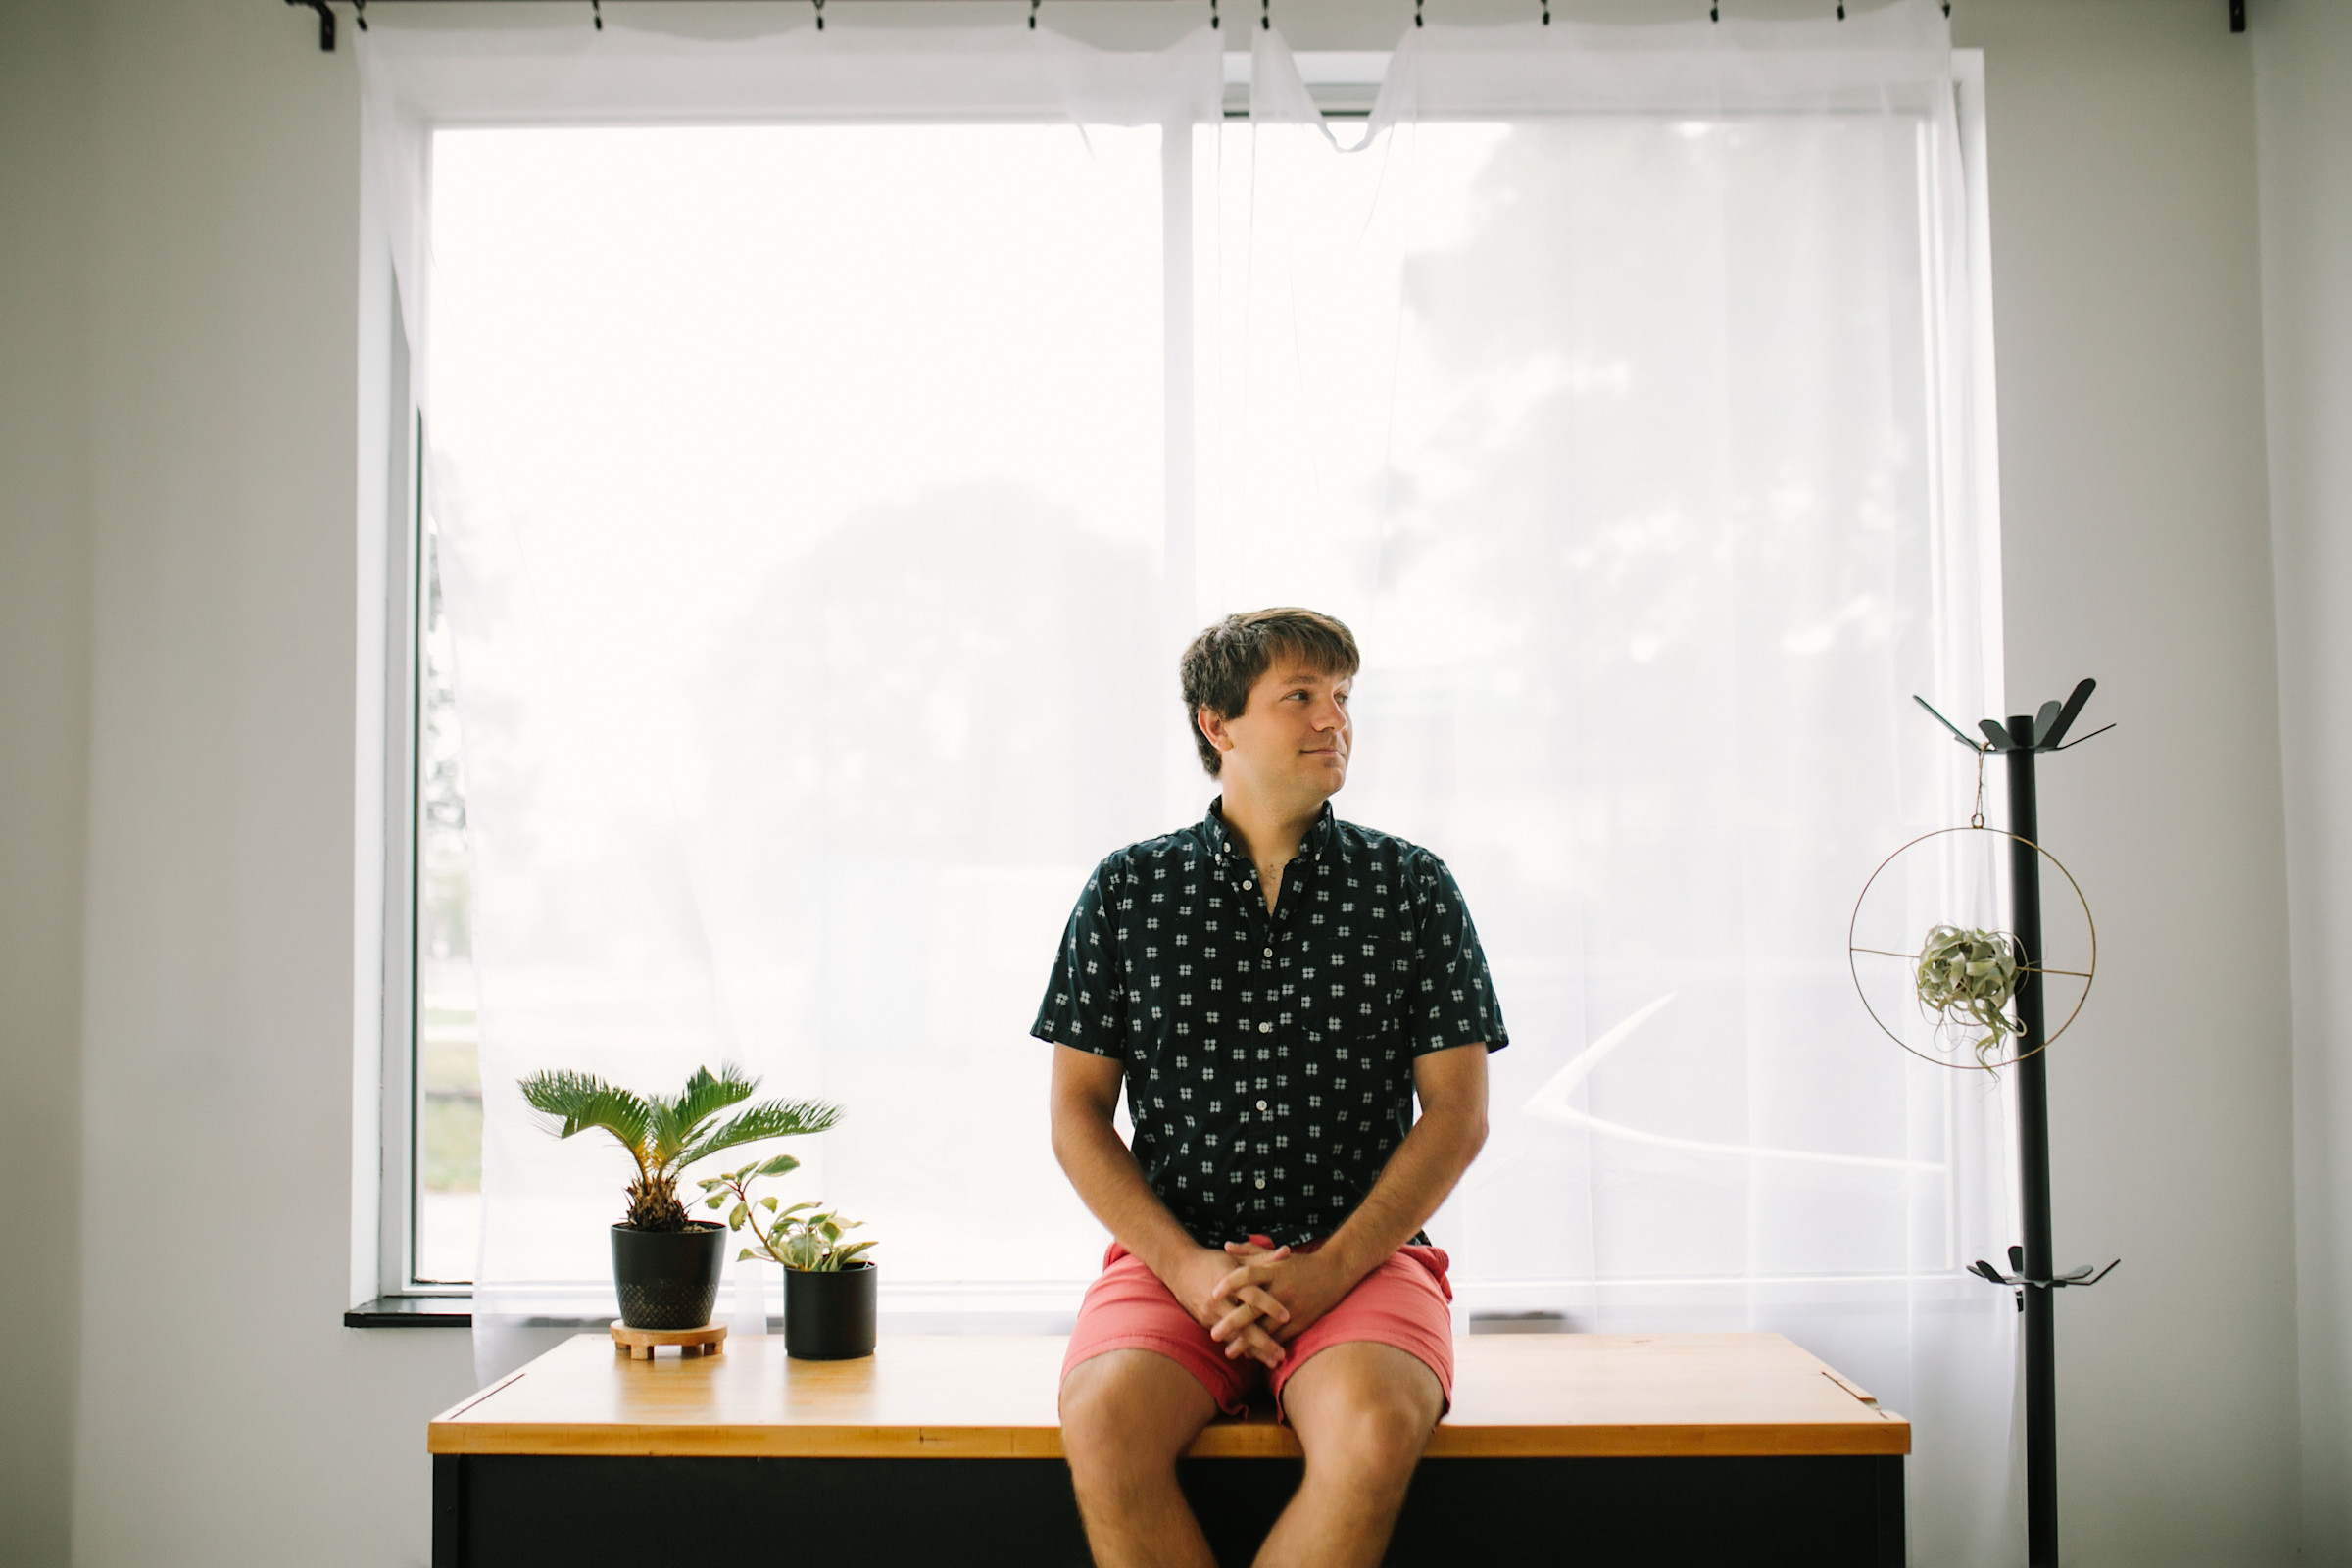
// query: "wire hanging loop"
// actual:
[[1213, 24], [1265, 16], [821, 13], [1855, 952], [358, 13], [1416, 12], [596, 13], [1033, 4]]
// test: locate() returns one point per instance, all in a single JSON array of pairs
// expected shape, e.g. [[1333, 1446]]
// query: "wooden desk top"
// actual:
[[1533, 1396]]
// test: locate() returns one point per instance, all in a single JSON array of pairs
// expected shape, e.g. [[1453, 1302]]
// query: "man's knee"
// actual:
[[1130, 1412], [1367, 1418], [1378, 1446]]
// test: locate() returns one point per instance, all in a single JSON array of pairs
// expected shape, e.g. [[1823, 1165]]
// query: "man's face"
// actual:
[[1293, 738]]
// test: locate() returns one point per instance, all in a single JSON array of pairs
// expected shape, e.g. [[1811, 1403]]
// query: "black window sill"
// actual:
[[412, 1312], [456, 1313], [446, 1312]]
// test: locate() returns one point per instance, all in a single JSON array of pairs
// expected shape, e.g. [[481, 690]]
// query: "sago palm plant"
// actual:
[[665, 1134]]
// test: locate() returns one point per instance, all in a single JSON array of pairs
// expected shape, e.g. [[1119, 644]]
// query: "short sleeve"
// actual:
[[1451, 1002], [1086, 1002]]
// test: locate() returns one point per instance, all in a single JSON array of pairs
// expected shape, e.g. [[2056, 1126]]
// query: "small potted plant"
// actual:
[[828, 1285], [665, 1266]]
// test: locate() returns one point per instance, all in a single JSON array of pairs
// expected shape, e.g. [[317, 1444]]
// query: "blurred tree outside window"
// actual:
[[448, 1160]]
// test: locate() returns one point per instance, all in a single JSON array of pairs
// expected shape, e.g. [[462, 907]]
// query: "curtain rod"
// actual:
[[359, 11], [596, 11]]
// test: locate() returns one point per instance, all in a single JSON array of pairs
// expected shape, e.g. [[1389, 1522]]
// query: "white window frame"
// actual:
[[387, 1077]]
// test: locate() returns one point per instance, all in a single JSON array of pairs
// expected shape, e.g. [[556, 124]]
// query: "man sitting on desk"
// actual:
[[1274, 985]]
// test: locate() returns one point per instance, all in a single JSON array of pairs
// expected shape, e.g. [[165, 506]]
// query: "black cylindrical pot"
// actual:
[[829, 1317], [668, 1279]]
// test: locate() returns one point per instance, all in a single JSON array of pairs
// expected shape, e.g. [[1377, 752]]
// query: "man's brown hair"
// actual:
[[1226, 660]]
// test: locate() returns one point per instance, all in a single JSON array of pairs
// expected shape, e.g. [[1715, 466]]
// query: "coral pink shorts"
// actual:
[[1403, 1302]]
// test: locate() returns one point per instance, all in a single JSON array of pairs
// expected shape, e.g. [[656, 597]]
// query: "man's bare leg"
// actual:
[[1363, 1412], [1126, 1417]]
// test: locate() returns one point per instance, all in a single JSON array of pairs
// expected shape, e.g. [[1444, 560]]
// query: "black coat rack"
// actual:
[[2025, 737]]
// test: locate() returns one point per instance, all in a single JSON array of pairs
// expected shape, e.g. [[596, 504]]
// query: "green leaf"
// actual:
[[774, 1118], [673, 1125], [715, 1200], [768, 1204], [747, 1256], [578, 1100], [781, 1165], [736, 1216]]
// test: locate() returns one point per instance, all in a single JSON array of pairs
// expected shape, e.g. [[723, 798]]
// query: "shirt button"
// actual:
[[1265, 1028], [1269, 953], [1261, 1104], [1261, 1181]]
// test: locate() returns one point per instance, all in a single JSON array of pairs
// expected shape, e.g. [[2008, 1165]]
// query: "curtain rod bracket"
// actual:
[[326, 23]]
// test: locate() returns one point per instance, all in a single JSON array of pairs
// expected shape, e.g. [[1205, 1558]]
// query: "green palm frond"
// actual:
[[678, 1122], [775, 1118], [578, 1100]]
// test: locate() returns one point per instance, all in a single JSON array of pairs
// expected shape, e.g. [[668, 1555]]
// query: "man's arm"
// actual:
[[1086, 1094], [1452, 1089]]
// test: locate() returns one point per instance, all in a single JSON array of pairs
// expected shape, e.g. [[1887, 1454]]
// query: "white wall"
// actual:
[[2303, 76], [44, 657], [2125, 288], [223, 1414]]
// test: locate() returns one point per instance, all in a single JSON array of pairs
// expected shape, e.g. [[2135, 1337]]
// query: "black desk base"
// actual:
[[535, 1512]]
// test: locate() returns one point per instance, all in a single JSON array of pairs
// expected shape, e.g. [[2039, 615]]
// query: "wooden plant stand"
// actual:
[[642, 1342]]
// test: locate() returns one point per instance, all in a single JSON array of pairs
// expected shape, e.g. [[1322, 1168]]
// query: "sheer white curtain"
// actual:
[[834, 437], [1616, 385], [799, 437]]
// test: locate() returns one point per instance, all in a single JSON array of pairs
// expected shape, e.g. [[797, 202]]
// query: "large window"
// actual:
[[814, 517], [847, 448]]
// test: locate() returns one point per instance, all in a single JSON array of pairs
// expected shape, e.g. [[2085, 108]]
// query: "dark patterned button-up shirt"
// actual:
[[1269, 1058]]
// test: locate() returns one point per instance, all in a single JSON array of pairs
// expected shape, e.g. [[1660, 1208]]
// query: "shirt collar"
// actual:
[[1222, 843]]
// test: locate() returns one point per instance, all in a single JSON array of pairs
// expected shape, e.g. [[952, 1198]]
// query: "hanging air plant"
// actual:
[[1966, 978]]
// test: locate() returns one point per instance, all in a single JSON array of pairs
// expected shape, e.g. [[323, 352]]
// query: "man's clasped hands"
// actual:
[[1255, 1299]]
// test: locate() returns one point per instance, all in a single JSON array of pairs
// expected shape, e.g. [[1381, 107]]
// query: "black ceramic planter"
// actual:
[[668, 1279], [829, 1317]]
